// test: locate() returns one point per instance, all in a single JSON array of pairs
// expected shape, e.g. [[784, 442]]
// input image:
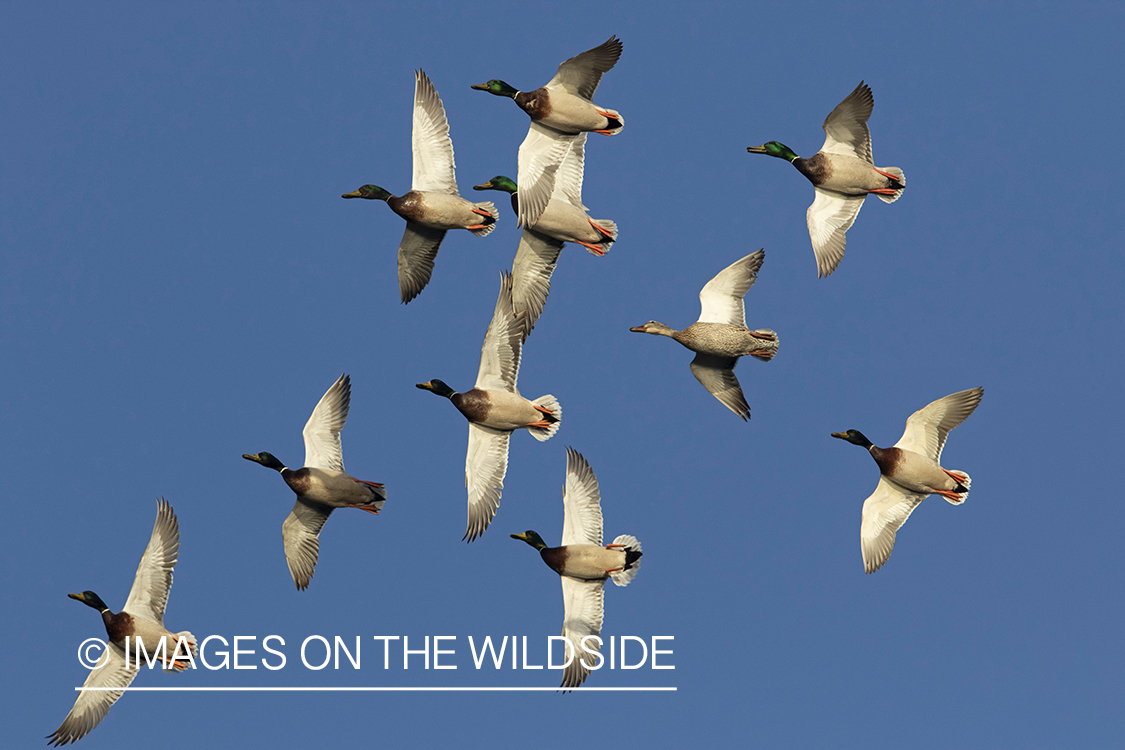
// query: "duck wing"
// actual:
[[717, 375], [149, 595], [829, 217], [532, 268], [568, 178], [581, 74], [845, 127], [540, 156], [91, 706], [721, 301], [582, 503], [927, 428], [583, 611], [500, 353], [486, 463], [429, 139], [416, 254], [323, 449], [883, 514], [300, 532]]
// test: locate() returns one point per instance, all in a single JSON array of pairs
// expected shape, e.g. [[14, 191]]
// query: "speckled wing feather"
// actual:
[[582, 503], [149, 595], [845, 127], [416, 254], [91, 706], [583, 612], [486, 463], [532, 268], [721, 300], [500, 353], [884, 513], [540, 156], [581, 74], [829, 217], [717, 375], [300, 532], [927, 428], [429, 138], [323, 449]]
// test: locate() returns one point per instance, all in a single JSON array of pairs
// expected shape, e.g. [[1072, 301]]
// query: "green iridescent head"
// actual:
[[497, 87], [370, 192], [437, 387], [265, 459], [773, 148], [90, 599], [499, 182], [531, 538], [854, 437]]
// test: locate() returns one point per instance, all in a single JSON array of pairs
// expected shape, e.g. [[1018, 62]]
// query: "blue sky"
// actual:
[[181, 282]]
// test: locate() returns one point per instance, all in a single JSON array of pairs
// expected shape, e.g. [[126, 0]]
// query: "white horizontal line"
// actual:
[[373, 689]]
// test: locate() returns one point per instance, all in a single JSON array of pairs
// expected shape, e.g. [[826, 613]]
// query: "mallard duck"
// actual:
[[583, 564], [321, 485], [559, 111], [564, 220], [495, 408], [720, 336], [140, 620], [843, 173], [433, 205], [910, 471]]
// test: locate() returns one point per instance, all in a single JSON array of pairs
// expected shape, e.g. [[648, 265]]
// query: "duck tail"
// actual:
[[182, 662], [900, 178], [632, 560], [607, 228], [961, 491], [616, 121], [491, 208], [551, 404], [378, 490], [768, 348]]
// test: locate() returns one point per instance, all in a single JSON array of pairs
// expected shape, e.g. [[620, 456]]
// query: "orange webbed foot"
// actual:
[[601, 229], [593, 248]]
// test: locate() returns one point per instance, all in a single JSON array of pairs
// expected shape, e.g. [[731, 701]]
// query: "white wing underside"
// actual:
[[829, 217], [500, 353], [582, 509], [323, 449], [149, 595], [927, 428], [717, 376], [300, 532], [721, 301], [91, 706], [429, 139], [416, 254], [568, 179], [845, 128], [486, 463], [583, 611], [884, 513], [532, 268], [540, 157]]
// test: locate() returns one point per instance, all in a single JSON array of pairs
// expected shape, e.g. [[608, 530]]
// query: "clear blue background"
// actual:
[[181, 282]]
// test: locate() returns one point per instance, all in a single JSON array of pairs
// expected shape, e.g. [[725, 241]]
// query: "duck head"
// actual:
[[853, 436], [773, 148], [436, 387], [497, 87], [265, 459], [370, 192], [499, 182], [654, 327], [531, 538], [90, 599]]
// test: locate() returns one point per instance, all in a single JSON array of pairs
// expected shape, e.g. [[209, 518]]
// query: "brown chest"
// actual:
[[474, 404], [536, 103], [300, 481], [411, 206], [817, 168], [890, 460], [555, 557], [117, 626]]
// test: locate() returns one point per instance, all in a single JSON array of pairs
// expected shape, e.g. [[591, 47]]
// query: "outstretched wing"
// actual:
[[429, 138], [721, 298], [149, 595], [845, 127], [540, 156], [532, 268], [416, 254], [500, 352], [582, 503], [300, 532], [829, 217], [91, 706], [581, 74], [323, 449], [583, 610], [717, 375], [486, 463], [927, 428], [883, 514]]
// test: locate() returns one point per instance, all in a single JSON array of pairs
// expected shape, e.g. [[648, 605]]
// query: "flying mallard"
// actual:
[[843, 173], [910, 471], [720, 336], [141, 621], [322, 485], [433, 205]]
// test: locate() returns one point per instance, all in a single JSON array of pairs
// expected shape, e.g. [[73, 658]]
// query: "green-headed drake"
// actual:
[[564, 220], [495, 409], [843, 173], [559, 111], [433, 206], [910, 471], [141, 619], [583, 565], [720, 336], [321, 485]]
